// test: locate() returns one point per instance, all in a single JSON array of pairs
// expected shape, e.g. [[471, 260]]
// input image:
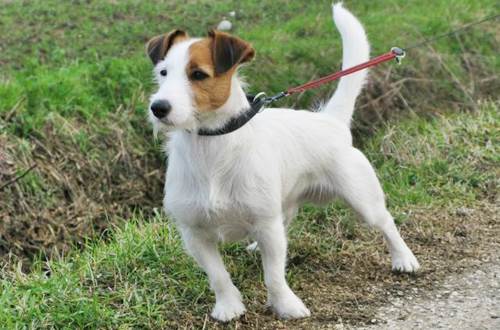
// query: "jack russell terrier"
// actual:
[[251, 182]]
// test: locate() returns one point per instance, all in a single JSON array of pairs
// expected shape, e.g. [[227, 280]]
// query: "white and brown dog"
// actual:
[[250, 183]]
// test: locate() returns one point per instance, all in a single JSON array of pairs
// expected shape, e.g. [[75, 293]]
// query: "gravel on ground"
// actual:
[[464, 301]]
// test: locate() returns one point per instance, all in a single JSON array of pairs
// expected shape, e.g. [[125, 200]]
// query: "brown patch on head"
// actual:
[[158, 47], [213, 61]]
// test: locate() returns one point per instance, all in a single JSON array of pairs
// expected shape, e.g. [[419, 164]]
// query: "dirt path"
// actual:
[[464, 301]]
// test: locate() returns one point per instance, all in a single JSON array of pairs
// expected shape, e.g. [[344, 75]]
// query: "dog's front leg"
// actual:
[[271, 238], [203, 248]]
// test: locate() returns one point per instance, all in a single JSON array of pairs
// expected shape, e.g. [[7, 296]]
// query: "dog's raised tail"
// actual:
[[355, 50]]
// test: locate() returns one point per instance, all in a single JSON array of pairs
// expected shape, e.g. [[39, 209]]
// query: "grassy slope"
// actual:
[[141, 277], [73, 89]]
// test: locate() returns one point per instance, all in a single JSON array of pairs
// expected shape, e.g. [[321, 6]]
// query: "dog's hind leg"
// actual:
[[228, 303], [271, 238], [356, 182]]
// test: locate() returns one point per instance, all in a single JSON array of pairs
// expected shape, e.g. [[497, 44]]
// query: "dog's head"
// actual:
[[194, 75]]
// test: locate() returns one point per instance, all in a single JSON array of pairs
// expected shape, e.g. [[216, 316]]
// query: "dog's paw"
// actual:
[[252, 247], [405, 262], [228, 309], [289, 306]]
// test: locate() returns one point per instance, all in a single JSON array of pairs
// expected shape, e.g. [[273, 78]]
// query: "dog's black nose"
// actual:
[[160, 108]]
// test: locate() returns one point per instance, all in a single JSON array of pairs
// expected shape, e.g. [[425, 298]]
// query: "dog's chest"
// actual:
[[213, 202], [215, 191]]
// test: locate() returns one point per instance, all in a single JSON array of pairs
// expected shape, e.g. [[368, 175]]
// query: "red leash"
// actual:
[[395, 52]]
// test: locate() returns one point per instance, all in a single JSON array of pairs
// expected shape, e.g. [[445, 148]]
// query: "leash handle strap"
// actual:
[[395, 52]]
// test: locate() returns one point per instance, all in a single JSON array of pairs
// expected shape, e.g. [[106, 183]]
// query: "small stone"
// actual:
[[464, 211], [224, 25]]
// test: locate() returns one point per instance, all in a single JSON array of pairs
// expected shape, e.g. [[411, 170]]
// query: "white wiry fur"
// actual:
[[251, 182], [342, 102]]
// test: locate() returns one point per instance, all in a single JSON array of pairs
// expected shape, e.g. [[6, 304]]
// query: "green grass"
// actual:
[[55, 59], [142, 278], [74, 85]]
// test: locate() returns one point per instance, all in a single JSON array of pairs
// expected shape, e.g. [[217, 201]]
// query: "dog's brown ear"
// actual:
[[229, 51], [158, 46]]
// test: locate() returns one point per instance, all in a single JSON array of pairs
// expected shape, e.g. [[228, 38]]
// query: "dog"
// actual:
[[250, 183]]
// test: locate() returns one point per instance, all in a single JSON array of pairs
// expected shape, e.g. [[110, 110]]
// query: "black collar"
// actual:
[[234, 123]]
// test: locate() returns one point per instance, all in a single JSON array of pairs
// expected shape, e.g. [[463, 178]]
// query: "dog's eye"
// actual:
[[163, 72], [198, 75]]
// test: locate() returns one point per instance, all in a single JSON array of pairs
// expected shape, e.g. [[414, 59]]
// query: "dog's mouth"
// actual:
[[166, 125], [165, 122]]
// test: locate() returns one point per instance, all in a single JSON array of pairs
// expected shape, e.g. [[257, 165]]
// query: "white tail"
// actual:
[[355, 50]]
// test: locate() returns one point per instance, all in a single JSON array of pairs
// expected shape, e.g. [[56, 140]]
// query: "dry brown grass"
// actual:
[[74, 192]]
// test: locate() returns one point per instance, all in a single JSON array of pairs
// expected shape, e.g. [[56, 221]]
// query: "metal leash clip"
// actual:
[[399, 53], [263, 99], [276, 97], [260, 98]]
